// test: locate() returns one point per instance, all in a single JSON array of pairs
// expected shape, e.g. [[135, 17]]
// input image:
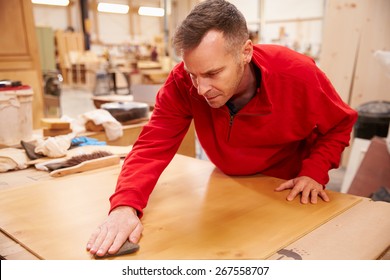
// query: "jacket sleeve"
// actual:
[[154, 149], [334, 122]]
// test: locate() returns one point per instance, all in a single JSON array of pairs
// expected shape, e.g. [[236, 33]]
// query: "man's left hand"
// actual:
[[309, 188]]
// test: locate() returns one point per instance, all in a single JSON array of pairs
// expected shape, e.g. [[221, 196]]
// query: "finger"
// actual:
[[306, 192], [117, 243], [107, 243], [293, 193], [136, 234], [92, 245], [286, 185], [314, 195], [92, 239], [324, 196], [299, 186], [99, 240]]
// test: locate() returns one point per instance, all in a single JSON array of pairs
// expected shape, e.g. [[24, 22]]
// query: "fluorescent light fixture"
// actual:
[[113, 8], [151, 11], [51, 2]]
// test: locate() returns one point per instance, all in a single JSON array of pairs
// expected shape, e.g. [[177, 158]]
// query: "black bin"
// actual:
[[373, 120]]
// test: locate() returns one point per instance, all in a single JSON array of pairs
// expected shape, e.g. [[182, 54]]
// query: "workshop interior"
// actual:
[[78, 82]]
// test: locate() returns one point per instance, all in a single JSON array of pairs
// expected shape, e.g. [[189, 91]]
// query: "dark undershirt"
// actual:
[[232, 109]]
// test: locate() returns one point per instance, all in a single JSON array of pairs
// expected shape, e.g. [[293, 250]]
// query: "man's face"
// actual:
[[215, 73]]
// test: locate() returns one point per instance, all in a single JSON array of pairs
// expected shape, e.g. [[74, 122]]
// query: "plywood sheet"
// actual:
[[345, 237], [195, 212], [19, 57], [353, 31], [340, 43], [370, 81]]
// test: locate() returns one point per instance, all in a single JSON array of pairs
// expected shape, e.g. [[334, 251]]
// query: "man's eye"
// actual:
[[213, 74]]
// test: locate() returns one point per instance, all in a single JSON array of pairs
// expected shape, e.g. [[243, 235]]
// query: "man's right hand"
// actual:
[[122, 223]]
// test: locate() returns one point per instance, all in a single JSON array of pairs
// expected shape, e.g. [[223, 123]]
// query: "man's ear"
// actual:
[[247, 51]]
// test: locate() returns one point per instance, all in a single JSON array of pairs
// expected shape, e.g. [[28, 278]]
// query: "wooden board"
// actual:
[[13, 251], [195, 212], [340, 42], [373, 84], [365, 238], [19, 56], [353, 31], [55, 123]]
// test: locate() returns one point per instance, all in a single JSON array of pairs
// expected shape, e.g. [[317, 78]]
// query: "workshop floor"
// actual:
[[77, 101]]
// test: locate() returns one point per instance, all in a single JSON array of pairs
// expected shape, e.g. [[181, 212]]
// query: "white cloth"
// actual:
[[112, 127], [54, 147], [384, 59], [77, 125], [12, 159]]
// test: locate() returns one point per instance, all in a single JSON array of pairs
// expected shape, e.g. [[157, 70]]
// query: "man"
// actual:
[[256, 109]]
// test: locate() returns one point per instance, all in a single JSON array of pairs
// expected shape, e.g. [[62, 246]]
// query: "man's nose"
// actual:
[[203, 86]]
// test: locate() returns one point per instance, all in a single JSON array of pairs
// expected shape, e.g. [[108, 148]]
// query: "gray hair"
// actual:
[[209, 15]]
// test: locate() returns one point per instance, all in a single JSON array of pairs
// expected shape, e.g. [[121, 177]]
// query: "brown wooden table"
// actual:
[[195, 212]]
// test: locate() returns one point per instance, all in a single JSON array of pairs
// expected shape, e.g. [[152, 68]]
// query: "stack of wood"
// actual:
[[54, 127]]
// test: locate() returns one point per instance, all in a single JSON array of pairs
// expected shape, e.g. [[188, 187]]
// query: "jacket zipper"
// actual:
[[231, 119], [230, 125]]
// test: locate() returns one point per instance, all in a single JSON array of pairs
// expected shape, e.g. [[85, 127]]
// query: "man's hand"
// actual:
[[122, 223], [309, 188]]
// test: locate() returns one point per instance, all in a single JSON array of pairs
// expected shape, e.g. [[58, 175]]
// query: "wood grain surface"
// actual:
[[195, 212]]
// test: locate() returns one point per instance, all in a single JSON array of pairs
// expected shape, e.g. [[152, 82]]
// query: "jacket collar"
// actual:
[[261, 103]]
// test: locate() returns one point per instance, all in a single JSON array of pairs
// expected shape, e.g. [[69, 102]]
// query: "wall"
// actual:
[[106, 28], [301, 21], [250, 9], [109, 22], [128, 28], [58, 17]]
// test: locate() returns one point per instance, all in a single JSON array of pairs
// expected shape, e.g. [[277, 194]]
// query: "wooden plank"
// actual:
[[349, 244], [353, 31], [370, 80], [19, 54], [343, 22], [11, 250], [68, 42], [14, 36]]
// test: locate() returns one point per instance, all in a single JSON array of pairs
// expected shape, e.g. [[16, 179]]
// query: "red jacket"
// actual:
[[295, 125]]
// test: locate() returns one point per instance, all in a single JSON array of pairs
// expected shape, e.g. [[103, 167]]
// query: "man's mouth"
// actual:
[[211, 97]]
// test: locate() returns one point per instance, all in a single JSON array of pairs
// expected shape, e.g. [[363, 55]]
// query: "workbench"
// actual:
[[195, 212], [131, 133]]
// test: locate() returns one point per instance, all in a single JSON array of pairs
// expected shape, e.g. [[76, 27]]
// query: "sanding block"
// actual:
[[127, 248], [55, 123]]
